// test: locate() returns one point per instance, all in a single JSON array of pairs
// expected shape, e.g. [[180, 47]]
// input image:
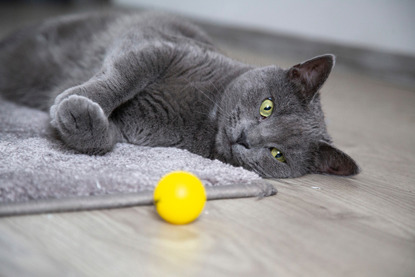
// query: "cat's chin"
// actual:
[[224, 148], [225, 154], [233, 154]]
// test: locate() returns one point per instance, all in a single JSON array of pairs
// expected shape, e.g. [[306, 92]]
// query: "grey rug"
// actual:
[[35, 167]]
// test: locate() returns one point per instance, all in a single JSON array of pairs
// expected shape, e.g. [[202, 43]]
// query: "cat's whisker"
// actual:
[[217, 90], [213, 84], [205, 94], [189, 84]]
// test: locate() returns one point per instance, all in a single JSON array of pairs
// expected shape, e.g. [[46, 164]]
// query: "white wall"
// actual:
[[387, 25]]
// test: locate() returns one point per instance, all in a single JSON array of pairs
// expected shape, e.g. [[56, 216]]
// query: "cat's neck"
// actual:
[[227, 71], [211, 92]]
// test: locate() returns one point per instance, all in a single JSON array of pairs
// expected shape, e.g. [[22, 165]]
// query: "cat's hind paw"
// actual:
[[82, 125]]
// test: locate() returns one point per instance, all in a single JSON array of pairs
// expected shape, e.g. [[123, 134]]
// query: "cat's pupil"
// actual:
[[267, 108]]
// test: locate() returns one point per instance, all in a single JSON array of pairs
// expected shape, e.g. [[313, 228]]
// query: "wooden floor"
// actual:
[[315, 226]]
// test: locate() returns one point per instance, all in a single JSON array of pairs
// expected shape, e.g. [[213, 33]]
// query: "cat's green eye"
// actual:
[[266, 108], [278, 155]]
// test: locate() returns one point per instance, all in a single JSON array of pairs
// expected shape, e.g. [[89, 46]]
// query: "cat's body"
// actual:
[[156, 80]]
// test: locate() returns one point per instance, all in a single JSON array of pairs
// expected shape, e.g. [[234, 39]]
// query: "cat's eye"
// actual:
[[266, 108], [278, 155]]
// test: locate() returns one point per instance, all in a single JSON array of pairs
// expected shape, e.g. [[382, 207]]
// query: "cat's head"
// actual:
[[271, 122]]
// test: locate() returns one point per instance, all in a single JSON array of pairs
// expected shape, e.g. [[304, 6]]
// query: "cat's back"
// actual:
[[43, 59], [53, 54], [79, 34]]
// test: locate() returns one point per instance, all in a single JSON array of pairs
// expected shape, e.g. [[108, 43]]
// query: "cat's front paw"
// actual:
[[82, 125]]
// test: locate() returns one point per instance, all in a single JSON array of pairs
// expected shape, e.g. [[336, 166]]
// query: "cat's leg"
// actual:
[[81, 114]]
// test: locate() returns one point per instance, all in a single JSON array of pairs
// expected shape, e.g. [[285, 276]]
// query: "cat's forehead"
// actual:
[[265, 75], [270, 80], [293, 127]]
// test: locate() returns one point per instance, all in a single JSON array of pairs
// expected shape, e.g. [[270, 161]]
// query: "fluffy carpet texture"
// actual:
[[35, 165]]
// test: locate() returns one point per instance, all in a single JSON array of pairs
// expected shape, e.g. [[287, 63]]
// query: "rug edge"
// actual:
[[260, 189]]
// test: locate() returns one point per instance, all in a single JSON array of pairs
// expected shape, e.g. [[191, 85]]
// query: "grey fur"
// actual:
[[157, 80]]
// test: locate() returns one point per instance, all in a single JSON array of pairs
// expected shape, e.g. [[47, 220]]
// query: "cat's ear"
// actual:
[[330, 160], [311, 74]]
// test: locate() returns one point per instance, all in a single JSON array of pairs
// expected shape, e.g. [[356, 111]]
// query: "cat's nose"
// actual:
[[242, 140]]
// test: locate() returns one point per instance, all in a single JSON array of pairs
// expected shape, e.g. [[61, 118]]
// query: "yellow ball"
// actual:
[[179, 197]]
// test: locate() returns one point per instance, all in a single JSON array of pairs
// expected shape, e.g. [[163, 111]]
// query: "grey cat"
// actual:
[[157, 80]]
